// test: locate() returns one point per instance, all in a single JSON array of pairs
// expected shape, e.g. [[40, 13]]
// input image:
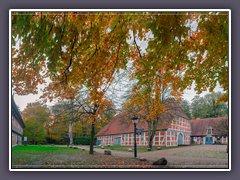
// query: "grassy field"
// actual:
[[202, 153], [43, 155], [140, 149], [65, 157]]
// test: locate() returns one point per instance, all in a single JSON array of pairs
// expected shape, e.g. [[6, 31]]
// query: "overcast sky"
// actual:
[[22, 101]]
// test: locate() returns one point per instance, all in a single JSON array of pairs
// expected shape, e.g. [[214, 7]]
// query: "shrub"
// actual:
[[83, 140]]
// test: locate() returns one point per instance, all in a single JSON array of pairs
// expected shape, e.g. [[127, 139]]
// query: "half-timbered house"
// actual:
[[209, 130], [173, 132]]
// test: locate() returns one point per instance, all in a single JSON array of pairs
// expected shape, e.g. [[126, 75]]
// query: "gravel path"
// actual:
[[200, 156]]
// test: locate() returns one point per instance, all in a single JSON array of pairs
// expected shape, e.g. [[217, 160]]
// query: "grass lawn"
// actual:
[[140, 149], [203, 153], [36, 156]]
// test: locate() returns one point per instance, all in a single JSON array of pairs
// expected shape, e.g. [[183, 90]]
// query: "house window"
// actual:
[[172, 133], [125, 137], [177, 118], [209, 131]]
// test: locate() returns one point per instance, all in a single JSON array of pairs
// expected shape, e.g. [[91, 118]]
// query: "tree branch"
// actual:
[[70, 61], [134, 40]]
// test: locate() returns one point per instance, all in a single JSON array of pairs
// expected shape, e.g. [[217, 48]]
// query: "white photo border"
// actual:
[[119, 10]]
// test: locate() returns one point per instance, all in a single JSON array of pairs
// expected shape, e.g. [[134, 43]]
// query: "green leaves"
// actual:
[[209, 106]]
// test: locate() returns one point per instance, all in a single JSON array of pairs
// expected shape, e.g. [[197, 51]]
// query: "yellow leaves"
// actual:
[[224, 98], [146, 105]]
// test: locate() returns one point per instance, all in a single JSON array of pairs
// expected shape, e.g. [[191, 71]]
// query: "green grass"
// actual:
[[140, 149], [39, 148], [36, 155], [65, 157]]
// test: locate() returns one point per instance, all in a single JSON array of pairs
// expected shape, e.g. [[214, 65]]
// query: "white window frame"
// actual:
[[210, 131]]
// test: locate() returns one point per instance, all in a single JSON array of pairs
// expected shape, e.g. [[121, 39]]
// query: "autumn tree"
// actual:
[[157, 82], [159, 70], [35, 117], [97, 108], [72, 49]]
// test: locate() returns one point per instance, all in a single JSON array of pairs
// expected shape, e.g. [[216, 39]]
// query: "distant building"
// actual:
[[17, 125], [206, 131], [172, 132]]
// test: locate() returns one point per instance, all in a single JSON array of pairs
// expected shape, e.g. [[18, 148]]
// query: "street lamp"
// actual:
[[135, 121]]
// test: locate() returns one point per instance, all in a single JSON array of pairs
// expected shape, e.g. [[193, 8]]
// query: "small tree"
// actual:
[[222, 129], [94, 106], [35, 117], [152, 110]]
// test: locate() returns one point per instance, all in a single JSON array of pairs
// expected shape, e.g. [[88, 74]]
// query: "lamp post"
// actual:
[[135, 120]]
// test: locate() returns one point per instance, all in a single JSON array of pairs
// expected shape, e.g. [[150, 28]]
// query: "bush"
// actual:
[[83, 140]]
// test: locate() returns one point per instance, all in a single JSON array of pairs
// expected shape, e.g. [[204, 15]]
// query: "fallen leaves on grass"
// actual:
[[94, 161]]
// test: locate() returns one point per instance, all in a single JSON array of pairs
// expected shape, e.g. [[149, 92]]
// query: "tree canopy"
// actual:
[[86, 48]]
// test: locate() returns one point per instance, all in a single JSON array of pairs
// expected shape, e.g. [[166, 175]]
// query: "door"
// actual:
[[208, 140], [117, 141], [99, 141], [180, 138]]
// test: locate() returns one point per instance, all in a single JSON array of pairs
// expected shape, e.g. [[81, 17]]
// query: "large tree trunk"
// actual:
[[70, 133], [92, 138], [152, 125], [150, 142]]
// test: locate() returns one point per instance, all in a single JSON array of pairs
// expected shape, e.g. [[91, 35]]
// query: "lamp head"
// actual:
[[135, 119]]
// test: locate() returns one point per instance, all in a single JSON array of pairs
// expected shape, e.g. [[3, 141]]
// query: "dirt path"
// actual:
[[201, 156]]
